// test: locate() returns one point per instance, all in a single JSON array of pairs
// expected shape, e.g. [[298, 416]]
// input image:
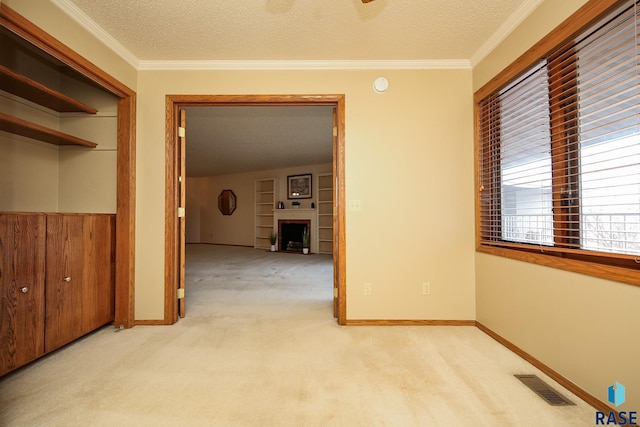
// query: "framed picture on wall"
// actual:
[[299, 186]]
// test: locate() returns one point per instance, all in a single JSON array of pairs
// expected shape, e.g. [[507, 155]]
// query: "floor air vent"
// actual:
[[544, 390]]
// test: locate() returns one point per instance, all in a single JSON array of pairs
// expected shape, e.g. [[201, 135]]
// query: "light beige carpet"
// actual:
[[259, 347]]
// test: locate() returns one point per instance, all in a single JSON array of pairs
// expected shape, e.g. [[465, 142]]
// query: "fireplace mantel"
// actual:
[[308, 214]]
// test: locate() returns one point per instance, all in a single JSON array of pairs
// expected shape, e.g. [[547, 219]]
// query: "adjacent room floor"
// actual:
[[260, 347]]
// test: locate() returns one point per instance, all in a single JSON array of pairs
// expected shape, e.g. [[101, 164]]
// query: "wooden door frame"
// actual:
[[126, 153], [173, 103]]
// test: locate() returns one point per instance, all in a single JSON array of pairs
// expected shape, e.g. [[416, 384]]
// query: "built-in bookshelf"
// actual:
[[26, 88], [325, 213], [265, 197]]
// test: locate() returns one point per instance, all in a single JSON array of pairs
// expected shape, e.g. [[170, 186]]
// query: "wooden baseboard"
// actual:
[[218, 244], [374, 322], [564, 382], [159, 322]]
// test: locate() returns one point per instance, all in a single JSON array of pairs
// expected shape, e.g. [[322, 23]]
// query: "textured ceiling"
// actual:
[[300, 29], [224, 140]]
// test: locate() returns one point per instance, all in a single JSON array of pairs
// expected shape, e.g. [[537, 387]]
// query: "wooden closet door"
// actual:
[[22, 257], [98, 274], [80, 295], [63, 280]]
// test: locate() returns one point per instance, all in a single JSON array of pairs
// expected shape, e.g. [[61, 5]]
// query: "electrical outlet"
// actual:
[[426, 288], [367, 289]]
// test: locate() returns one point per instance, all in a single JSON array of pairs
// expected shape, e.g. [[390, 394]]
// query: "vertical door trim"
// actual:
[[182, 196]]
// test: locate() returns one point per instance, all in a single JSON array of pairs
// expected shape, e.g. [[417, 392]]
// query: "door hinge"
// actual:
[[335, 131], [181, 132], [181, 212], [335, 292], [180, 293]]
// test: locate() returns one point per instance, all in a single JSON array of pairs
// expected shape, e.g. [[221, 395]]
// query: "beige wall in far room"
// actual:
[[584, 328], [238, 228]]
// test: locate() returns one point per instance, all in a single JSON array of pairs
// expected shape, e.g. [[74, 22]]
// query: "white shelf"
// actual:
[[325, 211], [265, 202]]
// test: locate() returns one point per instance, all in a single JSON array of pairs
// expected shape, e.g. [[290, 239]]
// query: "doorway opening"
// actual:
[[174, 223]]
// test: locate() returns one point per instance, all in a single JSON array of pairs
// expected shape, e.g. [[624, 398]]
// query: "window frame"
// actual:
[[611, 266]]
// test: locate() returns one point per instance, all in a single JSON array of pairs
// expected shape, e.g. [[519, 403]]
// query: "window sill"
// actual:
[[561, 261]]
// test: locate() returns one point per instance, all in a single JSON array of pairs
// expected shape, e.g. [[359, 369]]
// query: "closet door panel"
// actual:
[[64, 280], [22, 257], [98, 276], [80, 277]]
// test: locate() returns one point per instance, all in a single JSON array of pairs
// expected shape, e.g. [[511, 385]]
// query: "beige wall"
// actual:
[[409, 160], [87, 178], [237, 229], [28, 175], [585, 328], [28, 168]]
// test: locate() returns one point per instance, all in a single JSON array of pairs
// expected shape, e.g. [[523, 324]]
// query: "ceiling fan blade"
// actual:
[[366, 1]]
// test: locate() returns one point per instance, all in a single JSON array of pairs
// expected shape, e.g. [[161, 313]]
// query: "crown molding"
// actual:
[[516, 18], [305, 65], [96, 30]]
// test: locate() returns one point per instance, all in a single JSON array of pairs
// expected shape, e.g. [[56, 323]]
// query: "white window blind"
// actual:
[[609, 129], [525, 160], [559, 146]]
